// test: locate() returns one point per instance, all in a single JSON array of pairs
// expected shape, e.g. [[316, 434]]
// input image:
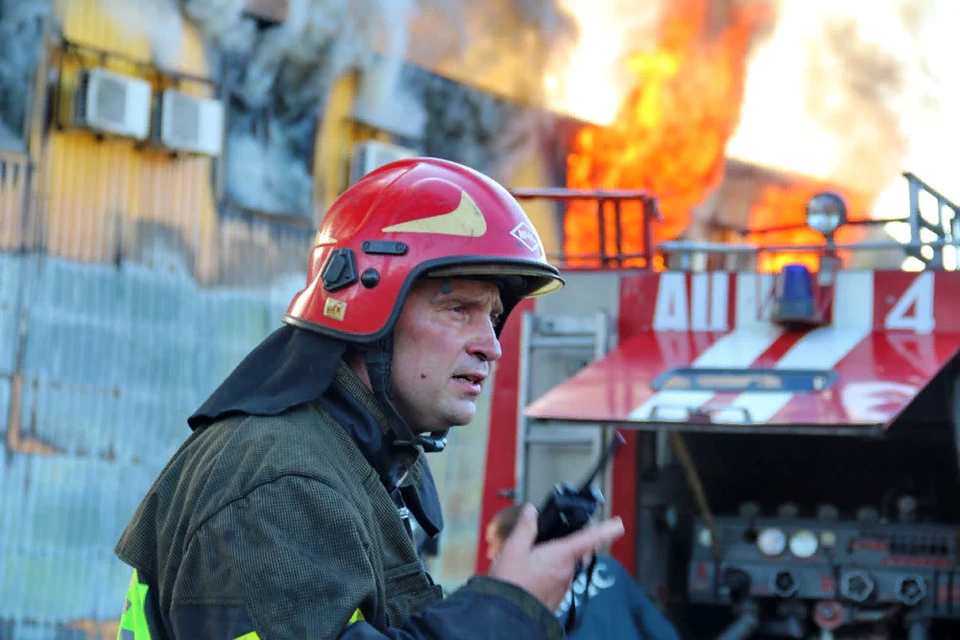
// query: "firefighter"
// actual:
[[610, 605], [286, 512]]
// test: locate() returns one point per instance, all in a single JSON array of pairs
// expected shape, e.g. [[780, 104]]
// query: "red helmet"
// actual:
[[409, 219]]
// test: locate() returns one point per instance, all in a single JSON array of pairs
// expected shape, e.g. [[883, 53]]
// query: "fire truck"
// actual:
[[793, 436]]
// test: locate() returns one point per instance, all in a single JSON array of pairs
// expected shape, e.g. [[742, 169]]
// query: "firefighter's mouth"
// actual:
[[471, 378]]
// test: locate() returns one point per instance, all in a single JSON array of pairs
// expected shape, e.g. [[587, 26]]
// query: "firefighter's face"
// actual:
[[444, 351]]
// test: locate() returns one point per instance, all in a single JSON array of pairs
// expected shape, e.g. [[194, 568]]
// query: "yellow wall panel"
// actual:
[[92, 189], [531, 174], [331, 159]]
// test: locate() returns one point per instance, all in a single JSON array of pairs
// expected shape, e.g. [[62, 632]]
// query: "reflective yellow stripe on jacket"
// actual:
[[133, 622], [356, 617]]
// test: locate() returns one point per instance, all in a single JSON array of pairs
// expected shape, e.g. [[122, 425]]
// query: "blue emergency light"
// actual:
[[794, 295]]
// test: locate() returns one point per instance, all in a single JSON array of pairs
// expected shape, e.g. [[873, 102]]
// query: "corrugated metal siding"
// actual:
[[86, 22], [15, 170], [113, 361], [116, 322], [96, 191]]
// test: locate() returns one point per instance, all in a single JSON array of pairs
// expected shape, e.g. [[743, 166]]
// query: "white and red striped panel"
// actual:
[[891, 333]]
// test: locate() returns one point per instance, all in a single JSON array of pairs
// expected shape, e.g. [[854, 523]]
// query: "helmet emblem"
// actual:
[[335, 309], [466, 220], [527, 236], [322, 239]]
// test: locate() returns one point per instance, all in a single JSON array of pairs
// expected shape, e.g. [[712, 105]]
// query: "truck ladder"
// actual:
[[556, 333]]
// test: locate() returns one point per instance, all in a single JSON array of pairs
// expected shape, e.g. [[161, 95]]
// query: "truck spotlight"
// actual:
[[804, 544], [825, 212]]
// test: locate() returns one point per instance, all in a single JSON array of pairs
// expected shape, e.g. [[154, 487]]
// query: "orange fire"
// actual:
[[782, 210], [670, 135]]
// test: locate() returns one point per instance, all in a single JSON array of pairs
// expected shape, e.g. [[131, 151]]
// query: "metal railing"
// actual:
[[616, 198], [941, 233], [944, 233], [946, 227]]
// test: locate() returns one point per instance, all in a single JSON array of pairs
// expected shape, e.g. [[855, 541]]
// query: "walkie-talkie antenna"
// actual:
[[611, 450], [568, 509]]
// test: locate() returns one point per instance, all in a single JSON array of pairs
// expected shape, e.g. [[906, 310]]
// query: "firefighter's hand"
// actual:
[[546, 570]]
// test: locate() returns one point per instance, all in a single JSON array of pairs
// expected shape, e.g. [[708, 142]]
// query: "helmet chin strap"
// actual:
[[378, 358]]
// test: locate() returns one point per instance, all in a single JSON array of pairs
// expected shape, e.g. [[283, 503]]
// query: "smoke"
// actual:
[[297, 61], [933, 129], [8, 139], [159, 20], [280, 77], [21, 23], [505, 47], [854, 92], [476, 129], [269, 172], [400, 112]]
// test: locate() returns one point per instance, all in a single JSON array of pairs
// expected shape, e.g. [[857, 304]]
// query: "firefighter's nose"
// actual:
[[485, 345]]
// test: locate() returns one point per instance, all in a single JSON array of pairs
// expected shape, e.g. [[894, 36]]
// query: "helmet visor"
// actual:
[[522, 280]]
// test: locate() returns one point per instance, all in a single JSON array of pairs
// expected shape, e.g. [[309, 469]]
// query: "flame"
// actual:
[[591, 83], [670, 134]]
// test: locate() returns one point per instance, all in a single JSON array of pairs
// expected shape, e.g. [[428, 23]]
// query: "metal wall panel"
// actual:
[[98, 193], [15, 171], [126, 296], [114, 360]]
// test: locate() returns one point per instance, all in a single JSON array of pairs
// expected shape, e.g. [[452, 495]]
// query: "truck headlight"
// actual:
[[804, 544], [772, 541], [826, 211]]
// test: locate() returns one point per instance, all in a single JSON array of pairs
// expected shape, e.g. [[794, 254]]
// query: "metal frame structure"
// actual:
[[552, 332], [682, 254], [650, 215]]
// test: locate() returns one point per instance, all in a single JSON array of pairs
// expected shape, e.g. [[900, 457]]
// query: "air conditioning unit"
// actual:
[[112, 103], [189, 123], [372, 154]]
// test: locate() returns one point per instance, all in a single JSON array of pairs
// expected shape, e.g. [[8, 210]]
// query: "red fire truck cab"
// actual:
[[792, 459]]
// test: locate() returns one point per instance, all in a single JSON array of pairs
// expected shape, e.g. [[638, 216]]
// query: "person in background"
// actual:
[[611, 606]]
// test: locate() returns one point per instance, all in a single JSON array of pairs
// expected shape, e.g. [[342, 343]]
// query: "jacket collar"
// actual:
[[402, 470]]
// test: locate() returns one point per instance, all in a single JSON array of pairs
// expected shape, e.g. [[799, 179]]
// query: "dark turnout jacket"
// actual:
[[279, 527]]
